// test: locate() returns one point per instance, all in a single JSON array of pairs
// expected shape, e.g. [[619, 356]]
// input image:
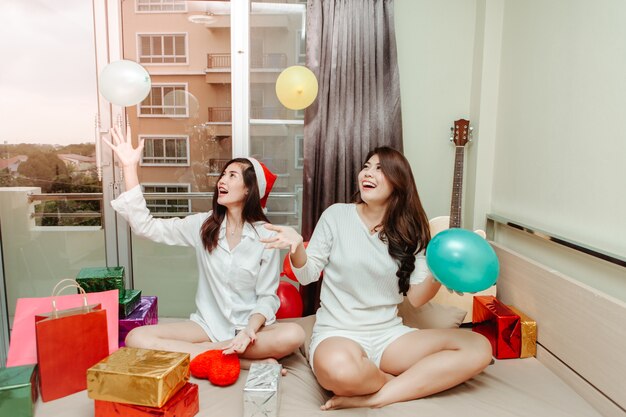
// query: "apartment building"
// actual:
[[186, 119]]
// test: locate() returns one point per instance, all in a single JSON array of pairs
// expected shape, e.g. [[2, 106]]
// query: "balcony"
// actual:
[[269, 61], [224, 114]]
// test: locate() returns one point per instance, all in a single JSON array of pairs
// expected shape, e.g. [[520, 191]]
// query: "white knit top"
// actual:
[[360, 286], [233, 284]]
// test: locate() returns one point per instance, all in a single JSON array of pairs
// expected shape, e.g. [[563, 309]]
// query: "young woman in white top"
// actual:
[[238, 277], [372, 253]]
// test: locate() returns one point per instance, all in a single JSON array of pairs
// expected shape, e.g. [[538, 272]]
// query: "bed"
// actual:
[[579, 369]]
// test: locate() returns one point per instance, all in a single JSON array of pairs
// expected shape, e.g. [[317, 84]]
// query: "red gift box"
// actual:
[[183, 404], [499, 324]]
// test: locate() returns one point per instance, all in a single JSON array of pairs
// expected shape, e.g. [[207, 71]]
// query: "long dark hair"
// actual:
[[405, 226], [252, 211]]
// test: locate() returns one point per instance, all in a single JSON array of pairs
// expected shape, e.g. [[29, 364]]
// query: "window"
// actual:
[[165, 150], [299, 158], [160, 6], [162, 48], [169, 205], [165, 100]]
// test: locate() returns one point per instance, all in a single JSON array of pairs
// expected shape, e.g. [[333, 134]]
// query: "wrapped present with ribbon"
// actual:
[[184, 403], [499, 324], [129, 301], [261, 391], [145, 314], [18, 391], [529, 334], [138, 376], [101, 279]]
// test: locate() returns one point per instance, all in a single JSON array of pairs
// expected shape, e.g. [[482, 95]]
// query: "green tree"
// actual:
[[84, 149], [6, 178], [42, 169]]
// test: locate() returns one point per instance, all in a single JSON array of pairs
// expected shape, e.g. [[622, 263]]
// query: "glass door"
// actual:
[[186, 123], [213, 66], [52, 210]]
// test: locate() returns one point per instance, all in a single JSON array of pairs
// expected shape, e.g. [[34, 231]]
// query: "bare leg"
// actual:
[[426, 362], [342, 366], [275, 341], [185, 336]]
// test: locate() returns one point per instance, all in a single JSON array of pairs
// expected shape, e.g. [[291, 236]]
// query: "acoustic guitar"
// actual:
[[461, 135]]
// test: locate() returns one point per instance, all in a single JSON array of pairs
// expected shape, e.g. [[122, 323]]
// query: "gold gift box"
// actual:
[[529, 334], [138, 376]]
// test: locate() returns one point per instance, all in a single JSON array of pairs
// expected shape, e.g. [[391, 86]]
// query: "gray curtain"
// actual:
[[351, 48]]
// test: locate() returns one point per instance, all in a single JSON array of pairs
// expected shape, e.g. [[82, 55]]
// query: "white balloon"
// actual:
[[124, 83]]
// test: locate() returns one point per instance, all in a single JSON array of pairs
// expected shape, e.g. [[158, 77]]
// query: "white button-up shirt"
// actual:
[[233, 284]]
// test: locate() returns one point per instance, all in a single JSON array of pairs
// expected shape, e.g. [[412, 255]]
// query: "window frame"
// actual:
[[138, 38], [185, 85], [166, 185], [161, 2], [164, 138]]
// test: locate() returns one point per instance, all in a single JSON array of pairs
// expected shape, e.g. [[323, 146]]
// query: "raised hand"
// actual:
[[128, 156], [123, 147], [285, 238]]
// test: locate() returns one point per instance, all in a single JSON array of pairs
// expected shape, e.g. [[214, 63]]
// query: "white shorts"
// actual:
[[373, 343]]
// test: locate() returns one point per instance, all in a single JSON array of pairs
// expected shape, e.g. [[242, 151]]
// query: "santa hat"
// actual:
[[264, 178]]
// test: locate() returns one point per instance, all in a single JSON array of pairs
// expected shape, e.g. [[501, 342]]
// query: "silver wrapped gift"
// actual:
[[261, 392]]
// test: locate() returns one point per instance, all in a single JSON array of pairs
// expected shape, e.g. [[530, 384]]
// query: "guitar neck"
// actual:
[[457, 188]]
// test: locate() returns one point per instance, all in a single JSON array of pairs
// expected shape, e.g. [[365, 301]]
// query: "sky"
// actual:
[[47, 72]]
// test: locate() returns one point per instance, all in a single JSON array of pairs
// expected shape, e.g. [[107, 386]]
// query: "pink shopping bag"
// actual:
[[23, 345]]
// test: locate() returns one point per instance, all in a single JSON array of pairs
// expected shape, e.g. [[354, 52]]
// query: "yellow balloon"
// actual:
[[296, 87]]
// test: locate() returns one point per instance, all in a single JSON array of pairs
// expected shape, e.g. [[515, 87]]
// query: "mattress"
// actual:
[[513, 387]]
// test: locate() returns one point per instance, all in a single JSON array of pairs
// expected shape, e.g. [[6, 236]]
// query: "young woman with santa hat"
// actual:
[[236, 298]]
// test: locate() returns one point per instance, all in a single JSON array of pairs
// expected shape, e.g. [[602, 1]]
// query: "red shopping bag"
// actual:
[[23, 348], [68, 343]]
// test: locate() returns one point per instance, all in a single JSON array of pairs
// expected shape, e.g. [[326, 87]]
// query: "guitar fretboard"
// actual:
[[457, 188]]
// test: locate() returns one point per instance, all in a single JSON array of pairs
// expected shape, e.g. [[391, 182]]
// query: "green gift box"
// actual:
[[101, 279], [129, 300], [18, 391]]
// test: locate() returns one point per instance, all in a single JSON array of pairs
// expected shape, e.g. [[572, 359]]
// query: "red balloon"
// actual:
[[290, 301], [287, 271]]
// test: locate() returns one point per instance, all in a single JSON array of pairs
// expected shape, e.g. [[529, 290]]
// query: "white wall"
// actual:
[[435, 40], [544, 85], [561, 147], [561, 142]]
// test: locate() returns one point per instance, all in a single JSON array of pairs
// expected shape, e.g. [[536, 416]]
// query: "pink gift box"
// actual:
[[147, 312]]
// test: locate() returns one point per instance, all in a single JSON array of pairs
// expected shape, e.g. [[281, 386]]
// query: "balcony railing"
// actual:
[[269, 60], [276, 164], [218, 61], [270, 113], [220, 114], [224, 114]]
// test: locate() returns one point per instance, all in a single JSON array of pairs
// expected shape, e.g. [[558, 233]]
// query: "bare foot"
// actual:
[[246, 363], [337, 402]]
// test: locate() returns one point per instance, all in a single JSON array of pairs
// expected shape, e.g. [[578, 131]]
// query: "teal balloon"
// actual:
[[462, 260]]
